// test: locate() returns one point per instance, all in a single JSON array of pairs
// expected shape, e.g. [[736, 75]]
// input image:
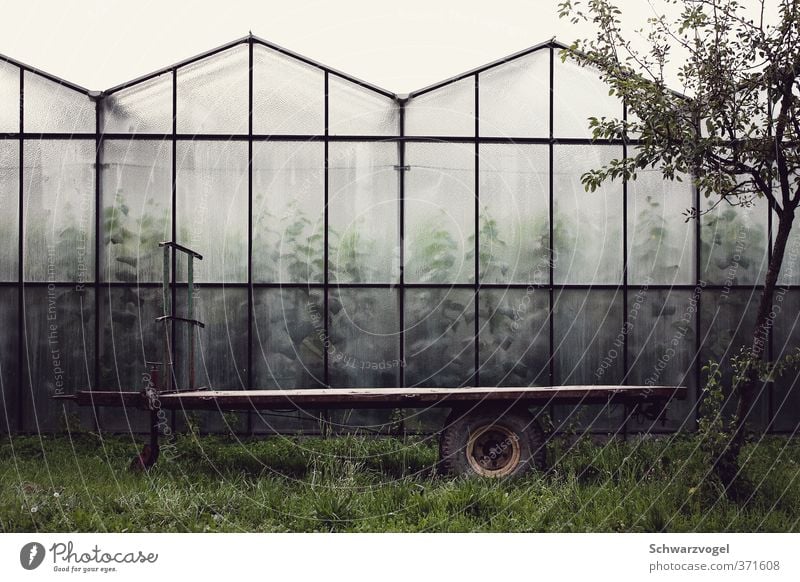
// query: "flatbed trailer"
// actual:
[[490, 431]]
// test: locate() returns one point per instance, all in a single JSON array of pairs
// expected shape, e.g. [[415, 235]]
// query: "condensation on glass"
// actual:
[[54, 108], [587, 226], [212, 208], [448, 111], [213, 94], [515, 97], [364, 213], [288, 211], [288, 95], [142, 108], [137, 201]]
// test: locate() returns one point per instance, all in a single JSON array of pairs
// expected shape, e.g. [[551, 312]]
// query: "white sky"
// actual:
[[399, 45]]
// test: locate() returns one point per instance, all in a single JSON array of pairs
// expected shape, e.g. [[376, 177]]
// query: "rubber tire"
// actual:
[[455, 436]]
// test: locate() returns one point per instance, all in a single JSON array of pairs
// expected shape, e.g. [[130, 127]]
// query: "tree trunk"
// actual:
[[751, 383]]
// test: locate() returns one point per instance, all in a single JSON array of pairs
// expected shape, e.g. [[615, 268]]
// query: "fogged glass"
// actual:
[[51, 107], [448, 111], [728, 320], [355, 110], [288, 338], [145, 107], [786, 339], [221, 347], [514, 337], [130, 338], [579, 94], [288, 94], [58, 190], [364, 331], [588, 350], [137, 198], [59, 348], [515, 97], [440, 349], [734, 243], [660, 331], [213, 93], [220, 350], [9, 353], [288, 211], [587, 226], [212, 208], [440, 213], [364, 213], [515, 214], [9, 98], [586, 328], [9, 210], [661, 242]]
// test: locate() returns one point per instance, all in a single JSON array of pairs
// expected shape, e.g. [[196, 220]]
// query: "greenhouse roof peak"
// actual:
[[251, 38]]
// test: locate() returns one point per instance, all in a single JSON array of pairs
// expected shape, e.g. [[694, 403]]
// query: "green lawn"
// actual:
[[55, 483]]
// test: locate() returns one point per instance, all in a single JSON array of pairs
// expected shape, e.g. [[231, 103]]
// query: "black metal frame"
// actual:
[[326, 286]]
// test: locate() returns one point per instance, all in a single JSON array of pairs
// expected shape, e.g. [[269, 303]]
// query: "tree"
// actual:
[[735, 128]]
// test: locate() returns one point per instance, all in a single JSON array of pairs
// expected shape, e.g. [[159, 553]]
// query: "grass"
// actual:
[[277, 484]]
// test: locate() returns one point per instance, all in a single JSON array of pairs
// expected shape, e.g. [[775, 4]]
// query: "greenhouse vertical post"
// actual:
[[476, 379], [20, 257], [98, 143], [250, 226]]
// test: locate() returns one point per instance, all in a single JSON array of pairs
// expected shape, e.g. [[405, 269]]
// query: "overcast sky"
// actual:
[[400, 46]]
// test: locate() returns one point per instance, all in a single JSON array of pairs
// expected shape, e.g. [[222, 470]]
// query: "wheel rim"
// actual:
[[493, 451]]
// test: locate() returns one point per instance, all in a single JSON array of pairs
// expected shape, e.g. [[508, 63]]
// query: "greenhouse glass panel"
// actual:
[[288, 211], [287, 338], [9, 210], [660, 240], [587, 226], [59, 353], [220, 350], [213, 93], [59, 184], [9, 352], [514, 337], [364, 213], [734, 243], [212, 208], [440, 213], [356, 110], [514, 234], [515, 97], [728, 321], [288, 95], [660, 329], [580, 94], [54, 108], [9, 98], [145, 107], [364, 327], [137, 199], [786, 336], [587, 327], [448, 111], [440, 332], [589, 349], [130, 339]]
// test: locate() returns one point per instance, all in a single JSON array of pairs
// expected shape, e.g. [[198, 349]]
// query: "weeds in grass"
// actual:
[[384, 484]]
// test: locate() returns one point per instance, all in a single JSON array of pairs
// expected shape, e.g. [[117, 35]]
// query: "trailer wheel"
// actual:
[[491, 443]]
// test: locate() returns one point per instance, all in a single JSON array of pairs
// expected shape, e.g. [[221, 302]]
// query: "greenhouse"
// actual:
[[354, 237]]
